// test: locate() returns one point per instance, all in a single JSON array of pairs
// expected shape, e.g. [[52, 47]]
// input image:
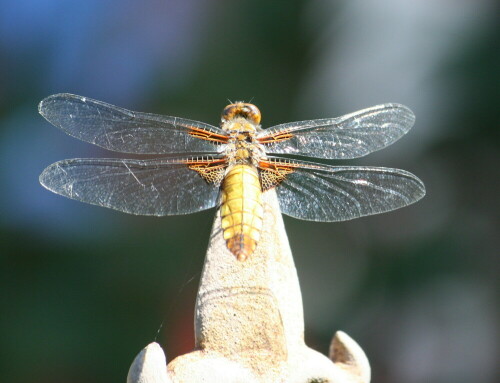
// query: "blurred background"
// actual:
[[83, 289]]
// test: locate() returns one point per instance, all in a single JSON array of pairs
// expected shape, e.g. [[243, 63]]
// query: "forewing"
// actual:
[[350, 136], [317, 192], [144, 187], [122, 130]]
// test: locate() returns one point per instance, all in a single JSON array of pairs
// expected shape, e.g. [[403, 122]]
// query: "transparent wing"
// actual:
[[122, 130], [317, 192], [350, 136], [143, 187]]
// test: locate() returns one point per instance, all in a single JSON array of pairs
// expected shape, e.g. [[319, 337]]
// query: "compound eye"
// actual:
[[240, 109], [229, 112], [253, 113]]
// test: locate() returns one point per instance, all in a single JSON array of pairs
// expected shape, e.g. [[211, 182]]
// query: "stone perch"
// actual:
[[249, 323]]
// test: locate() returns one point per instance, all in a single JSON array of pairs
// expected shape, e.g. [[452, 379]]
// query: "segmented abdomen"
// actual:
[[241, 210]]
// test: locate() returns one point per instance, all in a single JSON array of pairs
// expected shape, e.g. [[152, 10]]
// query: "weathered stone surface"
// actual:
[[249, 323], [149, 366]]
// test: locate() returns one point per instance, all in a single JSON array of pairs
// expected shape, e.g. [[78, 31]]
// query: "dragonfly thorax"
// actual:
[[244, 152], [242, 146], [239, 127]]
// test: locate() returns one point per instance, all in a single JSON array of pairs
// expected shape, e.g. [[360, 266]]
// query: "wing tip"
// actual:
[[43, 105], [43, 178], [396, 105], [419, 187], [54, 171], [409, 113], [419, 184], [423, 190]]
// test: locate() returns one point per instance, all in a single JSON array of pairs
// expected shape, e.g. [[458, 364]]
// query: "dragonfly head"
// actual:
[[241, 109]]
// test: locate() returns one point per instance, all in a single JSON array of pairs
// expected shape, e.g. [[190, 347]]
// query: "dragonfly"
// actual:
[[230, 166]]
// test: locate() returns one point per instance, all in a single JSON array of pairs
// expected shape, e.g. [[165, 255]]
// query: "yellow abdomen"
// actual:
[[241, 210]]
